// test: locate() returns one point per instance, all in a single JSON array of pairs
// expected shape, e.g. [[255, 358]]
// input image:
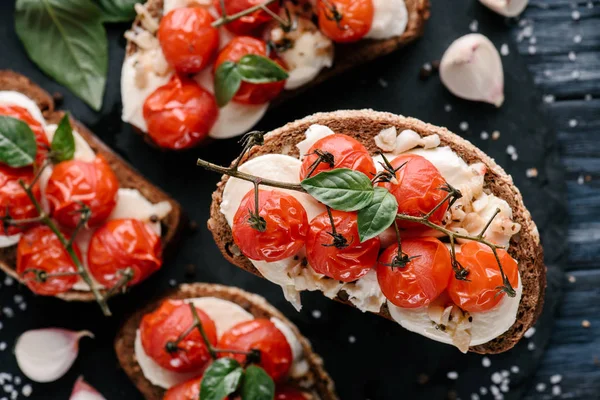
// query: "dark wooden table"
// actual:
[[561, 42]]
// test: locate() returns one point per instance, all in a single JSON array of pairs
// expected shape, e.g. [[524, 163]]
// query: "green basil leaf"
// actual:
[[67, 40], [341, 189], [63, 142], [258, 69], [221, 379], [257, 385], [17, 143], [227, 82], [118, 10], [377, 216]]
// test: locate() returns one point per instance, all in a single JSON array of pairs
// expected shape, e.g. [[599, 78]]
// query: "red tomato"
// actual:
[[123, 243], [91, 183], [40, 134], [289, 393], [260, 334], [347, 152], [164, 325], [422, 280], [286, 226], [481, 292], [187, 39], [345, 264], [250, 24], [180, 114], [40, 249], [419, 189], [345, 20], [189, 390], [14, 199], [250, 93]]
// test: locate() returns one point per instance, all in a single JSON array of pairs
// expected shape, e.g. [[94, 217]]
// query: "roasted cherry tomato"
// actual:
[[347, 152], [285, 230], [164, 325], [422, 279], [180, 114], [341, 256], [74, 182], [188, 390], [289, 393], [40, 134], [250, 24], [13, 198], [123, 243], [250, 93], [345, 20], [39, 249], [481, 292], [418, 190], [187, 39], [260, 334]]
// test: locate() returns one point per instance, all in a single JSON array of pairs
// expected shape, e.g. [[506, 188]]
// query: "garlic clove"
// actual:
[[471, 68], [44, 355], [83, 391], [508, 8]]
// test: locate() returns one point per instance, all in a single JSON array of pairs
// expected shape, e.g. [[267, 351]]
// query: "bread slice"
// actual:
[[347, 55], [254, 304], [363, 125], [128, 177]]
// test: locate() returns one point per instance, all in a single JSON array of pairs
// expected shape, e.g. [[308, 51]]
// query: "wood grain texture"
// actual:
[[561, 40]]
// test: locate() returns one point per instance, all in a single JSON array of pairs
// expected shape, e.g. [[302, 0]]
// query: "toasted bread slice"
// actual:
[[128, 177], [363, 125], [319, 380]]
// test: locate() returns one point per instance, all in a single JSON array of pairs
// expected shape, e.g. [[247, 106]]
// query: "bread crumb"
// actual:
[[495, 135], [531, 172], [572, 279], [585, 323]]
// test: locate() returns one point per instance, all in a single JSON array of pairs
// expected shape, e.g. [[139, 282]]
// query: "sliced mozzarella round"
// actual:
[[299, 366], [83, 151], [485, 326], [225, 314], [269, 166], [390, 19], [134, 96], [314, 133], [10, 97], [365, 293], [132, 204], [235, 118]]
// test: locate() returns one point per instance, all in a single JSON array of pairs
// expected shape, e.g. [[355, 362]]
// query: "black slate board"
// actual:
[[382, 360]]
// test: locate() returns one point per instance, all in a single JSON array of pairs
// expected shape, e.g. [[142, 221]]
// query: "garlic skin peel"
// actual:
[[471, 69], [508, 8], [45, 355]]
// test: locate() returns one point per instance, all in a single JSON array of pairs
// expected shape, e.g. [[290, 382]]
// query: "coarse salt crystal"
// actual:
[[474, 25], [575, 15], [484, 135], [496, 378], [572, 279], [463, 126], [3, 346], [510, 149], [494, 389], [577, 38], [580, 180], [572, 56], [452, 375], [529, 332], [554, 379], [316, 314], [540, 387], [351, 339], [549, 98], [572, 123], [483, 390], [532, 50], [504, 50], [486, 362], [447, 108], [530, 346], [588, 97], [556, 391], [27, 390], [514, 369]]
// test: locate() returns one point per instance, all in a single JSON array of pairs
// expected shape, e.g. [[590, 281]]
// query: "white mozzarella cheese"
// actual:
[[314, 133], [390, 19], [10, 97]]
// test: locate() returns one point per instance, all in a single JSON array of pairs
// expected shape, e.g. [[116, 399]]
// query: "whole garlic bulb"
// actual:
[[508, 8], [471, 68]]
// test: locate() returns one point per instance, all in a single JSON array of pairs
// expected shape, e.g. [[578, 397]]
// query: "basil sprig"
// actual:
[[377, 216], [63, 142], [251, 68], [341, 189], [17, 143], [226, 376]]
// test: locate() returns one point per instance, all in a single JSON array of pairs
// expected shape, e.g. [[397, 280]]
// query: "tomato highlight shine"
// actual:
[[345, 21], [14, 200], [285, 231], [250, 93], [260, 334], [164, 325], [74, 182], [180, 114], [344, 264], [40, 249], [420, 281], [347, 152], [481, 292], [120, 244], [188, 41]]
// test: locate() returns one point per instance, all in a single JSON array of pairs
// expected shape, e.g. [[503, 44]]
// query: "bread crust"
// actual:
[[128, 177], [254, 304], [363, 125]]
